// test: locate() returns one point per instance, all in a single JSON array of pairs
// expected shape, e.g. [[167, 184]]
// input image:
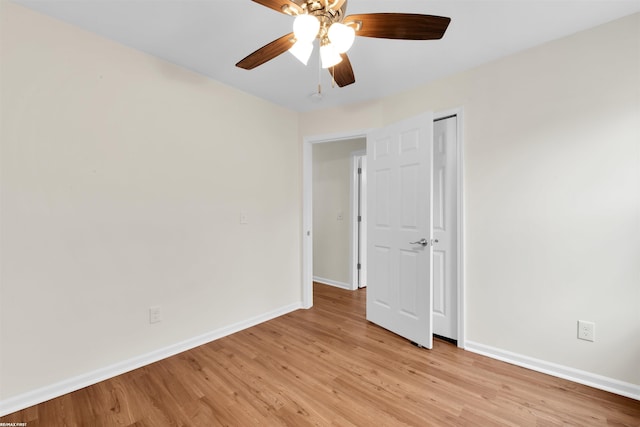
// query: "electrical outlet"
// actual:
[[586, 330], [154, 314]]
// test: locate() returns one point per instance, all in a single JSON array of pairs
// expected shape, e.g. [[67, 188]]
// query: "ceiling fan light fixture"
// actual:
[[341, 36], [329, 55], [302, 51], [305, 28], [326, 20]]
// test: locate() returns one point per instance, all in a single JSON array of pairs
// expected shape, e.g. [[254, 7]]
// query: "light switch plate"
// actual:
[[154, 314]]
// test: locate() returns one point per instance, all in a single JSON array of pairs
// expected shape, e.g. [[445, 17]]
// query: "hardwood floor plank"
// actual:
[[328, 366]]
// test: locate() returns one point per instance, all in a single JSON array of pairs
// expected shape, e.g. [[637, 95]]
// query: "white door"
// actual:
[[445, 252], [399, 209]]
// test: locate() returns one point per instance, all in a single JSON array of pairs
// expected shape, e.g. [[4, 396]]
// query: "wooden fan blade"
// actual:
[[342, 72], [267, 52], [404, 26], [280, 5]]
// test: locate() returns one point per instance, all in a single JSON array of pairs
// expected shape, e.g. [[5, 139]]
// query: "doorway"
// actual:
[[307, 224], [335, 208]]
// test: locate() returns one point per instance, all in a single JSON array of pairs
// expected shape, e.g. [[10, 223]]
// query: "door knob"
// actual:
[[422, 242]]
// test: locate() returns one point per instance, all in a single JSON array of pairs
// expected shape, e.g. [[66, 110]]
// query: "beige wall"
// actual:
[[331, 195], [552, 193], [123, 178]]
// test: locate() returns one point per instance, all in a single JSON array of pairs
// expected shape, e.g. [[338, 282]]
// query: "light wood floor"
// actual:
[[329, 366]]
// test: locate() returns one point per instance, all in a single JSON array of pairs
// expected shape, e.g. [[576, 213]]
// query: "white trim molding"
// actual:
[[576, 375], [354, 230], [460, 218], [335, 283], [69, 385]]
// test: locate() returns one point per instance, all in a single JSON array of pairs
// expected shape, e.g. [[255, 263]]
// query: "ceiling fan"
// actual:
[[326, 20]]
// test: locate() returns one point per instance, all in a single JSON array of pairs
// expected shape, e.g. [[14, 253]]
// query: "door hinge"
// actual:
[[359, 266], [359, 171], [359, 218]]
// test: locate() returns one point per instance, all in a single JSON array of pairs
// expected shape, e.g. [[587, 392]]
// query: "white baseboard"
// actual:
[[335, 283], [43, 394], [576, 375]]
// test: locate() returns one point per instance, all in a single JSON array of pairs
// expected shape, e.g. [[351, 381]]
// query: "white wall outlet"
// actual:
[[244, 217], [586, 330], [340, 216], [154, 314]]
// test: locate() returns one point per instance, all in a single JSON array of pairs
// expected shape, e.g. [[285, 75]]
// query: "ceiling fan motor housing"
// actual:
[[325, 13]]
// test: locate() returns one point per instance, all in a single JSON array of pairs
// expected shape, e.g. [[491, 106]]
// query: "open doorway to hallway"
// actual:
[[336, 235]]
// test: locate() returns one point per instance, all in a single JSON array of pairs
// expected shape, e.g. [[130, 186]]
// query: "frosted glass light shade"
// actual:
[[341, 36], [305, 28], [302, 51], [329, 55]]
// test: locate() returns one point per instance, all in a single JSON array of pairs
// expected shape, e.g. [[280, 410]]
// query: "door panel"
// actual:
[[381, 264], [409, 176], [382, 187], [399, 208], [439, 289]]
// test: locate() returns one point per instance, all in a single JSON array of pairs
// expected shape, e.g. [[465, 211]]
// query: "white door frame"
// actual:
[[307, 205], [460, 218], [358, 186], [307, 211]]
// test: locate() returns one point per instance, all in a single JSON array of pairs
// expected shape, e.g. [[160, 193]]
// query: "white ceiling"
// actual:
[[210, 36]]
